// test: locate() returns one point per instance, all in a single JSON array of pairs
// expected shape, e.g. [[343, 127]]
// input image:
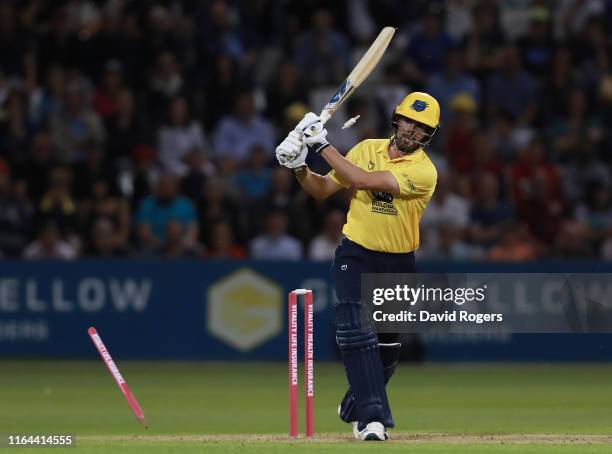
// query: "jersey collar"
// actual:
[[384, 149]]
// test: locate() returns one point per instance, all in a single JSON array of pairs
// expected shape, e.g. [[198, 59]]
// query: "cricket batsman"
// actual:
[[393, 180]]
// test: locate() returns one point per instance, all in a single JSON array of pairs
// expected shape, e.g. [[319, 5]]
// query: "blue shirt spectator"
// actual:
[[157, 211], [512, 91], [323, 53], [255, 179], [454, 80], [275, 243], [428, 47], [237, 134]]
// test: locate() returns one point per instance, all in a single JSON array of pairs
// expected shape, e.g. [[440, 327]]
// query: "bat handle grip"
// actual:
[[325, 115]]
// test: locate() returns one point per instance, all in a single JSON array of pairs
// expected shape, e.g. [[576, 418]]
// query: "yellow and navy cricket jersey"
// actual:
[[379, 221]]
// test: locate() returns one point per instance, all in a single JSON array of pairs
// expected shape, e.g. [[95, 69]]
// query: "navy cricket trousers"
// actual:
[[352, 259], [359, 343]]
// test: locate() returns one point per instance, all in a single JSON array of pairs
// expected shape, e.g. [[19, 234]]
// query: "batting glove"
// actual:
[[308, 119], [315, 136], [292, 151]]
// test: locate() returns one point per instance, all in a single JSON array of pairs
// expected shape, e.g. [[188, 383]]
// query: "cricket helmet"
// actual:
[[420, 107]]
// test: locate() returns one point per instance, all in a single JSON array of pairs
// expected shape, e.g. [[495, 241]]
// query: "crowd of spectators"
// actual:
[[148, 128]]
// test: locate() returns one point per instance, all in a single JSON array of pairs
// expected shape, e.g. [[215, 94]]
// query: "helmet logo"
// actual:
[[419, 106]]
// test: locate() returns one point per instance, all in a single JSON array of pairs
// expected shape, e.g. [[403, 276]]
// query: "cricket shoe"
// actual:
[[355, 424], [371, 432], [374, 431]]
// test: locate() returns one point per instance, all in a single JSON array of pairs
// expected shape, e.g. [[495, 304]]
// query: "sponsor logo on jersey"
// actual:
[[383, 203]]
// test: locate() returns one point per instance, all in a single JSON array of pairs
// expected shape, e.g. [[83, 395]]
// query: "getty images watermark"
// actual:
[[412, 296], [488, 303]]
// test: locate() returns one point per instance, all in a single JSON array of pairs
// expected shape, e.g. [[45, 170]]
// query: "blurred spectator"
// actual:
[[285, 90], [606, 249], [12, 44], [102, 204], [106, 97], [573, 14], [15, 217], [446, 85], [221, 89], [274, 243], [254, 180], [511, 90], [126, 129], [48, 100], [157, 211], [199, 169], [485, 39], [560, 80], [102, 241], [573, 241], [238, 133], [281, 196], [166, 83], [489, 213], [446, 208], [578, 131], [322, 52], [428, 47], [57, 203], [90, 91], [161, 28], [13, 126], [74, 126], [175, 245], [228, 169], [581, 174], [503, 138], [216, 206], [219, 34], [461, 132], [49, 245], [461, 13], [391, 90], [604, 91], [590, 49], [94, 167], [36, 169], [537, 47], [596, 211], [368, 124], [515, 245], [145, 175], [485, 159], [449, 244], [536, 190], [532, 165], [323, 246], [222, 244], [179, 137]]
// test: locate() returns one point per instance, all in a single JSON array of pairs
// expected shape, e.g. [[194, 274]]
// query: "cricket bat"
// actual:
[[359, 73]]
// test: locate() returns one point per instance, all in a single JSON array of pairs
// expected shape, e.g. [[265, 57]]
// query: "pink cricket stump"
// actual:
[[114, 371], [293, 365], [308, 361]]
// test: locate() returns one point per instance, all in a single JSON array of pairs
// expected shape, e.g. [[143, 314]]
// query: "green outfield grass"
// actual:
[[189, 405]]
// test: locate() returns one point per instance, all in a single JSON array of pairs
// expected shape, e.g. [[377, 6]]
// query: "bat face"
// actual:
[[338, 98], [359, 73], [338, 95]]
